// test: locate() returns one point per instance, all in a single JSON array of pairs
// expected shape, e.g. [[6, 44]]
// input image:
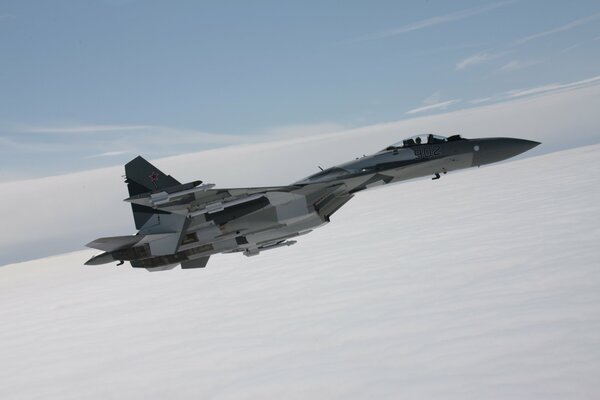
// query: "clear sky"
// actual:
[[91, 83]]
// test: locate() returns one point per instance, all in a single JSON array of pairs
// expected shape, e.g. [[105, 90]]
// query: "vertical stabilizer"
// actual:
[[143, 177]]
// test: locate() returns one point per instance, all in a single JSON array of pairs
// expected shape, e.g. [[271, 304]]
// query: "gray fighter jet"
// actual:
[[187, 223]]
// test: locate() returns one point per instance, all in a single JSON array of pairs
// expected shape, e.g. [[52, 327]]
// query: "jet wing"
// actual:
[[203, 199], [159, 243]]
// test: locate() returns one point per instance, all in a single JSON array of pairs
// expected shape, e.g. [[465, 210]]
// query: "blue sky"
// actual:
[[92, 83]]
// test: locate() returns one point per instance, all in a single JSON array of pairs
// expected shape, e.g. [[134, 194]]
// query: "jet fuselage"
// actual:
[[186, 224]]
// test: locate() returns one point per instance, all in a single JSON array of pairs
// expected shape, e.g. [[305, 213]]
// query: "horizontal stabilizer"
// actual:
[[114, 243], [159, 244]]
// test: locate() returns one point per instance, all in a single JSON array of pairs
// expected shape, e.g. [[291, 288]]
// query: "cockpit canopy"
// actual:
[[422, 139]]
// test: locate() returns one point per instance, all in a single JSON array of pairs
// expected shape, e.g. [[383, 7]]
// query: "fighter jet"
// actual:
[[184, 224]]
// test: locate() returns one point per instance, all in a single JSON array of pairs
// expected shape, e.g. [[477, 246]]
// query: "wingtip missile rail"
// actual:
[[169, 195]]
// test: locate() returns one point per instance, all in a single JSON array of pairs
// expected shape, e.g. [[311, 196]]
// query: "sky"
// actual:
[[87, 84]]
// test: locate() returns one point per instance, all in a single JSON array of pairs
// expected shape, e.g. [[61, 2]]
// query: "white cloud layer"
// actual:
[[482, 285]]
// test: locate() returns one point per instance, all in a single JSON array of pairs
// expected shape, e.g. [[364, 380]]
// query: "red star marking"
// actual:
[[154, 177]]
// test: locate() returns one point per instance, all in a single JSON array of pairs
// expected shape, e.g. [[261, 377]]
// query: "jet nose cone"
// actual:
[[499, 149], [523, 145]]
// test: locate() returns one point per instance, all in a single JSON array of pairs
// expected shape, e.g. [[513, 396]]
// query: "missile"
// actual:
[[250, 252], [103, 258], [168, 195]]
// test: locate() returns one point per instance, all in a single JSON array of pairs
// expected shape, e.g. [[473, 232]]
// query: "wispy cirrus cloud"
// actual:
[[137, 135], [478, 58], [569, 48], [434, 98], [286, 131], [562, 28], [436, 106], [75, 129], [172, 133], [509, 95], [439, 19], [110, 154], [552, 87], [541, 90], [20, 146], [480, 100], [514, 65], [58, 148], [65, 144]]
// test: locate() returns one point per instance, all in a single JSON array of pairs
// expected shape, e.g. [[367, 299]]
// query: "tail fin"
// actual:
[[143, 177]]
